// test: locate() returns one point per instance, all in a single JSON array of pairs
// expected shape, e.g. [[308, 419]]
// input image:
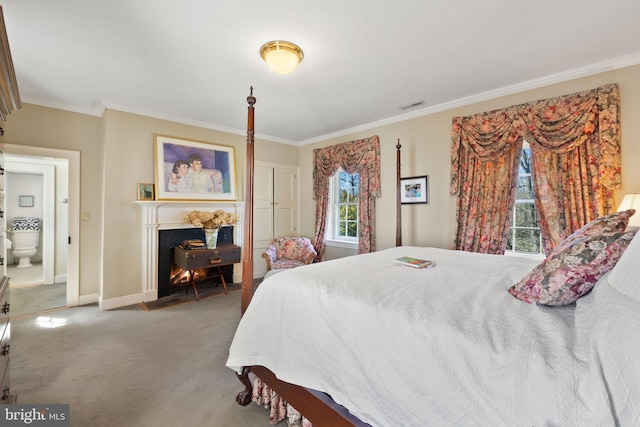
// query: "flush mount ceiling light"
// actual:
[[282, 57]]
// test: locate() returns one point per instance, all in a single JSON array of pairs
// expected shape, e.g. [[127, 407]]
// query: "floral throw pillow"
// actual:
[[616, 221], [565, 276]]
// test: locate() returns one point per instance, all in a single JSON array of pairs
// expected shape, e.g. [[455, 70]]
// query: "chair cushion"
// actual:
[[286, 263], [293, 248]]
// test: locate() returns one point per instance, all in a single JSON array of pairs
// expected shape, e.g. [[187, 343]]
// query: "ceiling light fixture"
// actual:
[[282, 57]]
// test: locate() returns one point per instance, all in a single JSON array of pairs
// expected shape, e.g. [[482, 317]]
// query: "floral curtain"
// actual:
[[575, 150], [576, 159], [362, 157], [485, 159]]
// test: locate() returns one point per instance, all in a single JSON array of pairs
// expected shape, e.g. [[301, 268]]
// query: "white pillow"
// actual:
[[625, 276]]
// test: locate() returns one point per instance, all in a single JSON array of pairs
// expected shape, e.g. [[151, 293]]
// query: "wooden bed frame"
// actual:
[[316, 406]]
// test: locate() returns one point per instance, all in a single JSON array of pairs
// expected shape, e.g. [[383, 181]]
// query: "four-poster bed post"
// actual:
[[398, 204], [247, 249]]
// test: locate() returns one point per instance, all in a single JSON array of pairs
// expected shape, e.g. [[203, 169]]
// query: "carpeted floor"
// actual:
[[29, 295], [29, 300], [130, 367]]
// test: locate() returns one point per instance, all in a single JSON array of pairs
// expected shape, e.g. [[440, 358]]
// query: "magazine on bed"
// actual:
[[415, 262]]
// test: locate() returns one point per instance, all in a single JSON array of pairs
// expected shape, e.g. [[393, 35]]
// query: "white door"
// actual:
[[275, 204], [285, 197], [262, 204]]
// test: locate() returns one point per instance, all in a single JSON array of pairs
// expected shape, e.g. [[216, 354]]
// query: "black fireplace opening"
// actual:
[[168, 240]]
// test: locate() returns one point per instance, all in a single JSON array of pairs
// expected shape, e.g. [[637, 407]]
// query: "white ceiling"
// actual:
[[193, 61]]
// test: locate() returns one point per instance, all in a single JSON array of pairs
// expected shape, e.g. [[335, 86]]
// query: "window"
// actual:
[[345, 195], [524, 234]]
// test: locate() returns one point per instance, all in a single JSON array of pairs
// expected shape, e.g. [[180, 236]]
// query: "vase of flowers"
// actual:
[[211, 223]]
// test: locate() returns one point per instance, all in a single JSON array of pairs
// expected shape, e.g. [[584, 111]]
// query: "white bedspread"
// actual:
[[445, 346]]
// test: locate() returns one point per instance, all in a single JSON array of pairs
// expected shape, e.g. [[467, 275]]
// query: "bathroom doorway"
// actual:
[[31, 186], [51, 176]]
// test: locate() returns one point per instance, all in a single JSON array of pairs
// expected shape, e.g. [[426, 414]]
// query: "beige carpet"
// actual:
[[31, 300], [130, 367], [29, 296]]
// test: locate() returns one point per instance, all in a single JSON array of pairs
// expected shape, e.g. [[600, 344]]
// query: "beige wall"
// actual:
[[426, 145], [51, 128], [117, 153]]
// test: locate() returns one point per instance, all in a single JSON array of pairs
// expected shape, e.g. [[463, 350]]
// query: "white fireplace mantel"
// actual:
[[169, 215]]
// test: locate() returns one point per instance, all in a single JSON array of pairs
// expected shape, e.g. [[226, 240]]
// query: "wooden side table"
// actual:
[[196, 259]]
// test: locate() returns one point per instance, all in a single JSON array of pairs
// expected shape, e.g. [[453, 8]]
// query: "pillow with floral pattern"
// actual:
[[565, 276], [616, 221]]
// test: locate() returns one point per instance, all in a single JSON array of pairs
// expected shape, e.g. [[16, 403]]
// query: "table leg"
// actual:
[[223, 282], [192, 283]]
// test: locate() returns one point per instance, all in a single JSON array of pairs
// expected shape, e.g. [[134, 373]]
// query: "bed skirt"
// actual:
[[278, 408]]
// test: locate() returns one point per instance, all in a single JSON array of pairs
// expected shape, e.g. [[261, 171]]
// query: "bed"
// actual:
[[364, 341]]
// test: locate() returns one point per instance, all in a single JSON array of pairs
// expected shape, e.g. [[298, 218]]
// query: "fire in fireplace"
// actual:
[[172, 278]]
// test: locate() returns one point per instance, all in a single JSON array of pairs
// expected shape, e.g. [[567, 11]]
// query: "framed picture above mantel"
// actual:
[[414, 189], [187, 169]]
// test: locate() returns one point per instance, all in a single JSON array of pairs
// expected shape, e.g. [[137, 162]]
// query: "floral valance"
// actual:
[[556, 125], [361, 156]]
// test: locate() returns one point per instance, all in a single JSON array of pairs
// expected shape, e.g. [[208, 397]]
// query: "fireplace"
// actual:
[[161, 216], [169, 272]]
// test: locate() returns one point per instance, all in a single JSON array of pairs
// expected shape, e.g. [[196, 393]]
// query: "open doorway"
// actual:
[[52, 175]]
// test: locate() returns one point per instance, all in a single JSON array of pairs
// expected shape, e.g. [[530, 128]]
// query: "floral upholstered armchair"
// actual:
[[289, 252]]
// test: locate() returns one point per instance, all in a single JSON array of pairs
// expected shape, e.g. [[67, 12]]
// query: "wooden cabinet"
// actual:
[[5, 327], [5, 346], [9, 101]]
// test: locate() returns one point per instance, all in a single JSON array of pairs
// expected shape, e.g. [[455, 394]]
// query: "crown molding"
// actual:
[[592, 69]]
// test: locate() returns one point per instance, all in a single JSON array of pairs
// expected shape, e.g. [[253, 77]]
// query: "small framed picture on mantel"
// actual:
[[414, 190], [146, 192]]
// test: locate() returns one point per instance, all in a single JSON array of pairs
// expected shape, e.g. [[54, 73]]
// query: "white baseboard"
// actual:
[[111, 303], [88, 299], [60, 279]]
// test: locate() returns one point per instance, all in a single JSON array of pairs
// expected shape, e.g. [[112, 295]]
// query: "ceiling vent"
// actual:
[[415, 104]]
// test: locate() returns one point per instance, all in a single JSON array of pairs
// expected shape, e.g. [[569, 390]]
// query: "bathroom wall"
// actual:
[[24, 184]]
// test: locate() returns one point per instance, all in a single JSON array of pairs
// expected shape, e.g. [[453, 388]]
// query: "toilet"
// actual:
[[25, 235]]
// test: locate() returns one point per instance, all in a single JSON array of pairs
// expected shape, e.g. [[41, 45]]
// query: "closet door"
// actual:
[[262, 204], [285, 198], [275, 204]]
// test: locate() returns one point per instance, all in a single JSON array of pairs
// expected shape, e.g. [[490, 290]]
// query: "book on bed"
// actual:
[[414, 262]]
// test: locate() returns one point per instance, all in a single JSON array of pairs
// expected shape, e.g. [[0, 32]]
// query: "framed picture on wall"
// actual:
[[26, 201], [193, 170], [146, 192], [414, 189]]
